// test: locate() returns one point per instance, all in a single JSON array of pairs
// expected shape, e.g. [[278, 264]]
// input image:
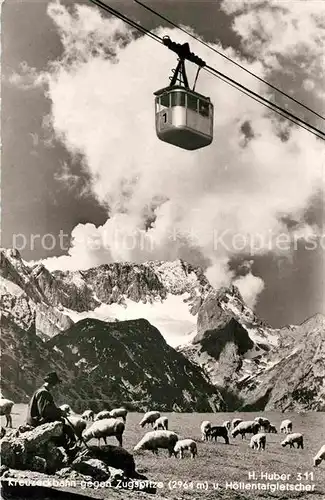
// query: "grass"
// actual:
[[221, 463]]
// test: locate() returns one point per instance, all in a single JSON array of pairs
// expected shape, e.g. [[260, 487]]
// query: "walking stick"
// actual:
[[81, 438]]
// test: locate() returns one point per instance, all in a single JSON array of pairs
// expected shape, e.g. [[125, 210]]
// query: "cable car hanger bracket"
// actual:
[[184, 53]]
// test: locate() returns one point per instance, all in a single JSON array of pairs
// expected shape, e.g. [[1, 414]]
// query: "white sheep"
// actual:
[[5, 409], [150, 418], [320, 456], [258, 441], [291, 439], [119, 412], [66, 410], [227, 424], [102, 414], [78, 424], [105, 428], [185, 444], [161, 423], [205, 427], [286, 426], [235, 422], [246, 427], [154, 440], [88, 415], [264, 422]]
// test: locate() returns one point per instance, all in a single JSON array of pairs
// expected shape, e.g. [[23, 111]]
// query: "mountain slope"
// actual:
[[100, 364], [231, 341], [130, 362], [263, 368], [25, 359], [23, 301], [296, 378]]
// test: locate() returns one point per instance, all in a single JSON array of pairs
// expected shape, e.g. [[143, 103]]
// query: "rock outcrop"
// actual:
[[295, 378], [37, 450], [258, 367], [23, 301], [34, 449]]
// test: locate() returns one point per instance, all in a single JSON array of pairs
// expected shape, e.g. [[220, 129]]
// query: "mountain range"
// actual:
[[151, 335]]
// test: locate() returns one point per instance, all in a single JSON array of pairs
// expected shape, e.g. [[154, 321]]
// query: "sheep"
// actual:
[[291, 439], [88, 415], [264, 422], [150, 418], [65, 409], [5, 409], [272, 429], [102, 414], [246, 427], [286, 426], [105, 428], [158, 439], [320, 456], [258, 441], [112, 456], [235, 422], [218, 430], [2, 432], [161, 423], [227, 424], [185, 444], [78, 424], [205, 426], [119, 412]]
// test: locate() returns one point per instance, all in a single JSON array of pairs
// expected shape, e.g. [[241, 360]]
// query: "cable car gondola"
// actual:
[[184, 117]]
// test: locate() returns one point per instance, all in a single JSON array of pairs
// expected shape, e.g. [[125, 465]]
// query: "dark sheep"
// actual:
[[218, 431]]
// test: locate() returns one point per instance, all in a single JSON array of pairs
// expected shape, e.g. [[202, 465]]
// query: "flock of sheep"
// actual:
[[112, 423], [107, 423], [258, 439]]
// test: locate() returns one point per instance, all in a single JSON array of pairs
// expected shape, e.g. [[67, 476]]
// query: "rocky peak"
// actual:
[[22, 299], [14, 269], [295, 374], [230, 340], [109, 283]]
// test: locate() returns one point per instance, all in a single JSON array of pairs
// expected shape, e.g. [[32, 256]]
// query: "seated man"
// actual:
[[42, 409]]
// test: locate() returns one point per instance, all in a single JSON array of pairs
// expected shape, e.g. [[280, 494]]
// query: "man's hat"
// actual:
[[52, 378]]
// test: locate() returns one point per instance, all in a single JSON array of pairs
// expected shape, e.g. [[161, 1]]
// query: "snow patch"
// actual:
[[171, 316], [77, 279], [173, 276], [259, 336], [7, 286], [81, 362], [253, 353], [101, 313], [56, 349]]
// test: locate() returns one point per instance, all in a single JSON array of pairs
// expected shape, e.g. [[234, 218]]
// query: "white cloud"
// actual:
[[102, 107], [27, 78], [289, 37], [250, 287], [71, 181]]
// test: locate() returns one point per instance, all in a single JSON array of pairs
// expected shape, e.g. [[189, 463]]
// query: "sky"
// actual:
[[85, 181]]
